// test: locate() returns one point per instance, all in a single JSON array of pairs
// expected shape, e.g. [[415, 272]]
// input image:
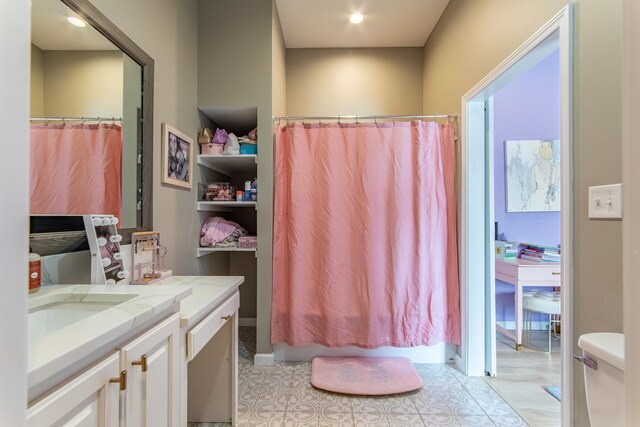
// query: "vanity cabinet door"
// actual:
[[151, 360], [90, 399]]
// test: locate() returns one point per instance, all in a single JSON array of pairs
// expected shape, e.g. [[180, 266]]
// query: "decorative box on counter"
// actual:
[[248, 242]]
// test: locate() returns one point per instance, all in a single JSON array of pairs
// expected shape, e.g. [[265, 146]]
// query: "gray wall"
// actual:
[[68, 83], [464, 48], [74, 80], [36, 104], [374, 81]]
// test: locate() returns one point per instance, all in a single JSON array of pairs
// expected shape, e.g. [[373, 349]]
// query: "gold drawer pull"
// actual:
[[556, 273], [142, 362], [122, 380], [227, 317]]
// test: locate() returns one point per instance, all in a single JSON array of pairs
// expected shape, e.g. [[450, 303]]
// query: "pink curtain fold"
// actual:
[[364, 245], [75, 169]]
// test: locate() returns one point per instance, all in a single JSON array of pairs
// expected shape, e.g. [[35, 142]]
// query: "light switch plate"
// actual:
[[605, 201]]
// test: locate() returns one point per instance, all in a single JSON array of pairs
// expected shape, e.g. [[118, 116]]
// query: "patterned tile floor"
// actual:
[[282, 395]]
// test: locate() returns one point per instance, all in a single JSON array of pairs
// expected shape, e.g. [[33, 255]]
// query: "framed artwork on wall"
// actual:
[[532, 175], [177, 157]]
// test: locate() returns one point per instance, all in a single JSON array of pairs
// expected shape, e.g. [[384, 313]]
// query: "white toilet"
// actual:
[[604, 380]]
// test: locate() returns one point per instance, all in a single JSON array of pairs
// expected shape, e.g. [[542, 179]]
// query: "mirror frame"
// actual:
[[71, 241]]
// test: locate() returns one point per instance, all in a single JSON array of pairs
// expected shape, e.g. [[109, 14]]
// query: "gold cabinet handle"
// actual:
[[227, 317], [555, 273], [142, 362], [122, 380]]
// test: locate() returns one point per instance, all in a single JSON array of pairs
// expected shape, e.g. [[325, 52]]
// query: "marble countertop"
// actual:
[[208, 293], [55, 349]]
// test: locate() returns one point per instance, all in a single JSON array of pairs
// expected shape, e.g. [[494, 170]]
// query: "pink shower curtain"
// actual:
[[365, 235], [75, 169]]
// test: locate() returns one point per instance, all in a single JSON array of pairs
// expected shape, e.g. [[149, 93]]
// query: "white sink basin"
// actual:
[[70, 325], [53, 312]]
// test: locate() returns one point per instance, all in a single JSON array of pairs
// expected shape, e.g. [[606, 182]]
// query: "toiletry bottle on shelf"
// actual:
[[247, 191], [34, 272]]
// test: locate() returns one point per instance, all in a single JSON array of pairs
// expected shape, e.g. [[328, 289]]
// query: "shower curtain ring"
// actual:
[[338, 118], [356, 119]]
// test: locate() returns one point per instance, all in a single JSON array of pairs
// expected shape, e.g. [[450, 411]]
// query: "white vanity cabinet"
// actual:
[[153, 376], [209, 348], [91, 399], [136, 386], [177, 342]]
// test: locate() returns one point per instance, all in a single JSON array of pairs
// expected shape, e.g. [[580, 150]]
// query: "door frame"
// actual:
[[476, 254], [631, 206]]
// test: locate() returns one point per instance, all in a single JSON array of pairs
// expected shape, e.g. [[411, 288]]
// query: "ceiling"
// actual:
[[51, 31], [387, 23], [305, 24]]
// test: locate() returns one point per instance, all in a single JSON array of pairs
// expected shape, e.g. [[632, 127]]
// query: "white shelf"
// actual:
[[230, 165], [220, 205], [207, 251]]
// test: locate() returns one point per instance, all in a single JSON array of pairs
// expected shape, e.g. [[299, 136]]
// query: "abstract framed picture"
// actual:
[[532, 175], [177, 157]]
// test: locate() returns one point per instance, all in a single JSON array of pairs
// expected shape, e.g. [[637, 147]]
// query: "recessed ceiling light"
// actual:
[[356, 18], [76, 21]]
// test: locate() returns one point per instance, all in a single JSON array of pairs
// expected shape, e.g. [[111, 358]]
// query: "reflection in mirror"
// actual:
[[91, 109]]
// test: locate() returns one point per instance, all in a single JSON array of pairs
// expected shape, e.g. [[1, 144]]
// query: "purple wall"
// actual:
[[527, 108]]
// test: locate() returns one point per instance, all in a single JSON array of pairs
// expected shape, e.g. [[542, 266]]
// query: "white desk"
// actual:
[[521, 273]]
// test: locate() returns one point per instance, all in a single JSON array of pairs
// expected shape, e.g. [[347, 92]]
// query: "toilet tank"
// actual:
[[604, 385]]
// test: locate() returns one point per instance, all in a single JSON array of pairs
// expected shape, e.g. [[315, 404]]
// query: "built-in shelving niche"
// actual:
[[235, 170]]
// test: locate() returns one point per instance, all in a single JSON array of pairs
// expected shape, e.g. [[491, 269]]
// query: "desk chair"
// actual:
[[540, 302]]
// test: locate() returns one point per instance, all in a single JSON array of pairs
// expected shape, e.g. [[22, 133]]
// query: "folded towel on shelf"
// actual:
[[218, 232], [246, 140]]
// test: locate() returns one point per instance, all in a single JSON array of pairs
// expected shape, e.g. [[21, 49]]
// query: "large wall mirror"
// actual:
[[91, 126]]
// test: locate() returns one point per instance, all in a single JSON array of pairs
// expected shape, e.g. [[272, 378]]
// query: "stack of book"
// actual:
[[506, 250], [539, 253]]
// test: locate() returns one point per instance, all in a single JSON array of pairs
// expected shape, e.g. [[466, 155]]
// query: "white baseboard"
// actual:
[[438, 353], [263, 359], [247, 321]]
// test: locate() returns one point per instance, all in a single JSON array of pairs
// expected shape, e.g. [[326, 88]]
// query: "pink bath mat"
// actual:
[[365, 375]]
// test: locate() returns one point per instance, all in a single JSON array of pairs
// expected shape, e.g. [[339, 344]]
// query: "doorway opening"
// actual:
[[477, 227]]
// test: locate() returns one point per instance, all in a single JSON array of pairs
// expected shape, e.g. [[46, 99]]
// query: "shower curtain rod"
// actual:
[[438, 116], [76, 119]]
